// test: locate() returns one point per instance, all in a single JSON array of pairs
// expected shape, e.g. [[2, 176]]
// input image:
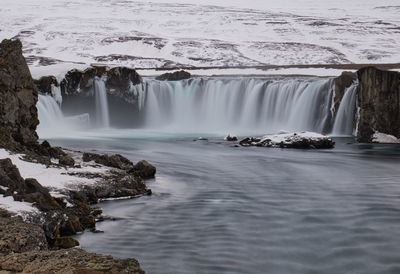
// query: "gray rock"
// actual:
[[379, 101], [116, 160], [66, 161], [19, 236], [144, 170]]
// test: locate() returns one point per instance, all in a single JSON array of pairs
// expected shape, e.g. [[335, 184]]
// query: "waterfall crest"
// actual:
[[234, 105], [219, 105]]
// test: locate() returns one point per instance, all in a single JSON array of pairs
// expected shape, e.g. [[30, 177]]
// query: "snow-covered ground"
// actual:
[[62, 34], [52, 177], [56, 179]]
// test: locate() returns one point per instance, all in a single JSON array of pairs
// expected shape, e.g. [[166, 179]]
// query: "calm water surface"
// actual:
[[221, 209]]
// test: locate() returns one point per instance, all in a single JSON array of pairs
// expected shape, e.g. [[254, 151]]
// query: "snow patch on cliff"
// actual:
[[383, 138]]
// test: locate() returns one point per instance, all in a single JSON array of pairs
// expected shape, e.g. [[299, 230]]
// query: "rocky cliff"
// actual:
[[379, 101], [18, 97], [79, 88]]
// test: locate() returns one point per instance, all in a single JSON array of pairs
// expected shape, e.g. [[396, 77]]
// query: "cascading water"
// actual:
[[237, 105], [345, 117], [225, 105], [102, 112], [52, 120]]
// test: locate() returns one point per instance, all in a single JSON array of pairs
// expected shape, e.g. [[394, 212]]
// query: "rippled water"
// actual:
[[220, 209]]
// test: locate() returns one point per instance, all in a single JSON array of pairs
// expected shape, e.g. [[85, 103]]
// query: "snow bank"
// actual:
[[383, 138], [52, 177], [228, 33], [20, 208]]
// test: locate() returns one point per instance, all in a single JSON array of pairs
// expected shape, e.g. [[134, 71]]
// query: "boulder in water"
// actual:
[[304, 140], [231, 138], [143, 169]]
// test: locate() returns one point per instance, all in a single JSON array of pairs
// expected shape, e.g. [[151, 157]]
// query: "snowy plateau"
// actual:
[[59, 35]]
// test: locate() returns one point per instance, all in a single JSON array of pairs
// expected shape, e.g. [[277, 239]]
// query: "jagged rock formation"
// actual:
[[121, 85], [174, 76], [28, 190], [118, 81], [44, 84], [379, 101], [18, 236], [142, 169], [58, 217], [23, 248], [18, 97]]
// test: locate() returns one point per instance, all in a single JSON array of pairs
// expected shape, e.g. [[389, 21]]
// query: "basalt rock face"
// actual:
[[45, 83], [118, 81], [379, 101], [174, 76], [80, 88], [18, 97]]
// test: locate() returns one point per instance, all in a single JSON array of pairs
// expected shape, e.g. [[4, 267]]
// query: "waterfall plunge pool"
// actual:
[[222, 209]]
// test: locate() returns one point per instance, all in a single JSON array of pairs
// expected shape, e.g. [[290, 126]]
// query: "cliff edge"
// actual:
[[18, 97], [379, 101]]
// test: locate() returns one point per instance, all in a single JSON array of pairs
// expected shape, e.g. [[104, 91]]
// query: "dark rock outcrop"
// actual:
[[18, 97], [118, 81], [379, 101], [66, 161], [24, 248], [44, 84], [79, 88], [18, 236], [174, 76], [28, 190], [73, 260], [302, 140], [344, 81], [231, 138], [116, 160], [143, 169]]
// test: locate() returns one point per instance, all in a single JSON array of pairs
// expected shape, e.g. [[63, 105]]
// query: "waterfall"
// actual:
[[235, 105], [52, 120], [216, 105], [102, 112], [345, 117]]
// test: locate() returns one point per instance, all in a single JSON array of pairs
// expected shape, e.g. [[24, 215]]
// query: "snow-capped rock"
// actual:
[[302, 139]]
